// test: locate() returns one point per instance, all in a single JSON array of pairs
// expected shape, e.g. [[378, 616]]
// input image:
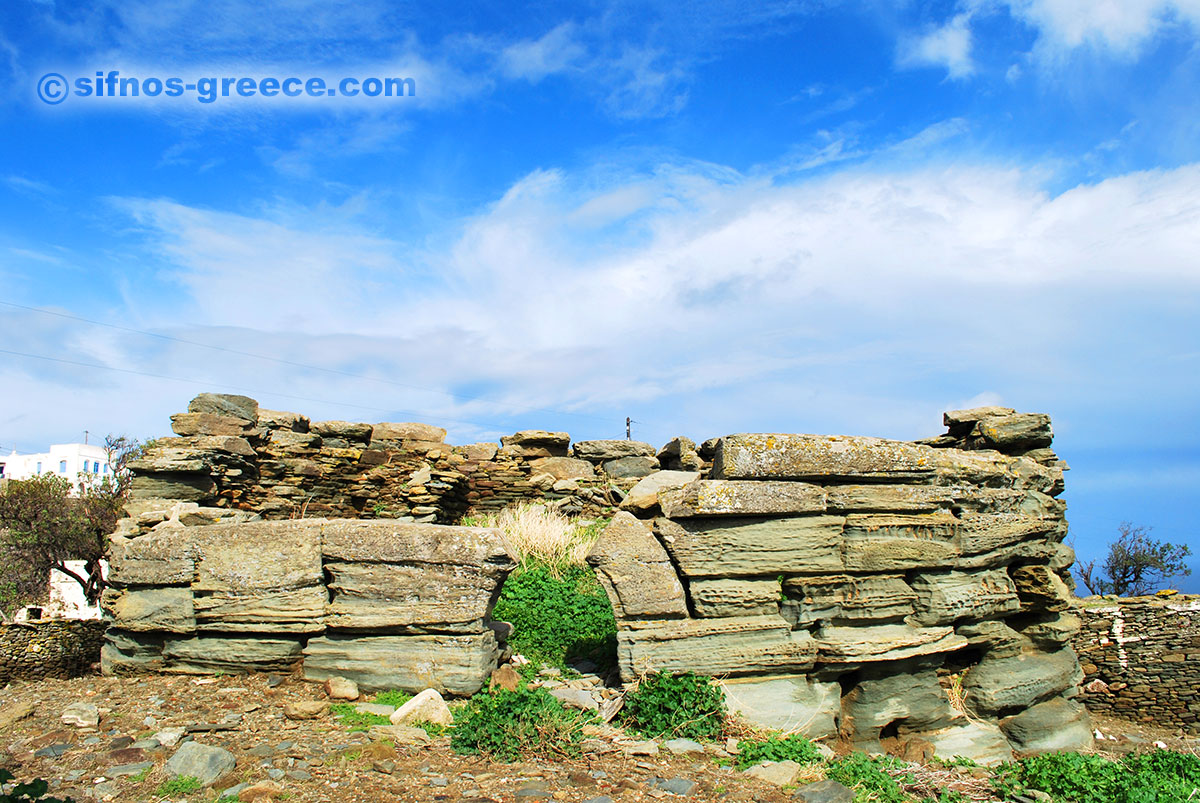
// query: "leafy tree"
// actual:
[[1136, 564]]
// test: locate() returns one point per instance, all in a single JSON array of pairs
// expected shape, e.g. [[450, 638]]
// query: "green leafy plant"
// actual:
[[777, 748], [394, 697], [684, 705], [355, 720], [179, 785], [870, 778], [31, 792], [141, 775], [1162, 776], [505, 725], [558, 616]]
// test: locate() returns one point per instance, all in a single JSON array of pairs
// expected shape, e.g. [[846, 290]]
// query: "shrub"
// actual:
[[685, 705], [1159, 777], [868, 776], [505, 725], [181, 785], [557, 617], [776, 748]]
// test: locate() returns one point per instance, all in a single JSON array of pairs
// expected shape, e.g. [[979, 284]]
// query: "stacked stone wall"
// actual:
[[1141, 658], [56, 648]]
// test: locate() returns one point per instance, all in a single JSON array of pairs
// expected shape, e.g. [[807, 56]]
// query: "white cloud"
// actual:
[[534, 59], [1120, 26], [948, 47]]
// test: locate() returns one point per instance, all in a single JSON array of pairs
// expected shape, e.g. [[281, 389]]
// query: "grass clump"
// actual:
[[870, 778], [179, 785], [685, 705], [558, 615], [393, 697], [543, 536], [1162, 776], [507, 725], [793, 747], [355, 720]]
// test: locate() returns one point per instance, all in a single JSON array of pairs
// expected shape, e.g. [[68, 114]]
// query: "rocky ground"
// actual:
[[49, 730]]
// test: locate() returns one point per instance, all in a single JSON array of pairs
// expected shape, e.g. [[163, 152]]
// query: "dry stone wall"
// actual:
[[1140, 657], [387, 604], [856, 587], [55, 648]]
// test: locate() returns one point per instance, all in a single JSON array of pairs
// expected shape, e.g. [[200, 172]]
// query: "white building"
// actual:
[[66, 597], [64, 459]]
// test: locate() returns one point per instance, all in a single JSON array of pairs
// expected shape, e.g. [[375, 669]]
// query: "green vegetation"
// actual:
[[507, 725], [685, 705], [141, 775], [793, 747], [181, 785], [1159, 777], [869, 777], [31, 792], [558, 616], [356, 720], [394, 697], [1136, 564]]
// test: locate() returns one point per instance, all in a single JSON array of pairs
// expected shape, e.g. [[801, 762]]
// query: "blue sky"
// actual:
[[712, 217]]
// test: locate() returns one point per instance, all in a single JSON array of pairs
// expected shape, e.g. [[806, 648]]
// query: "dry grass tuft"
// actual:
[[539, 534]]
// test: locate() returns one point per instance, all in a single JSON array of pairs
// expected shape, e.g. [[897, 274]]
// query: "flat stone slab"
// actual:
[[385, 596], [151, 609], [718, 597], [793, 704], [208, 655], [821, 458], [398, 542], [636, 571], [741, 498], [889, 498], [894, 542], [846, 599], [451, 664], [599, 451], [762, 547], [716, 647], [947, 597], [884, 643]]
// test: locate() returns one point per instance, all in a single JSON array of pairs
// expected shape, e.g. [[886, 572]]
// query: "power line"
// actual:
[[293, 364], [243, 389]]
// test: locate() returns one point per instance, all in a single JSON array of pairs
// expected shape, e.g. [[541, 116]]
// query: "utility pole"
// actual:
[[628, 428], [85, 437]]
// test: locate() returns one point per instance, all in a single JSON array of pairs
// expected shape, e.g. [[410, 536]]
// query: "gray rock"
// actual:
[[716, 598], [451, 664], [281, 419], [674, 786], [52, 751], [1049, 631], [742, 498], [636, 571], [948, 597], [537, 443], [122, 770], [749, 547], [679, 454], [629, 467], [884, 642], [960, 419], [602, 450], [889, 543], [300, 610], [646, 748], [986, 532], [126, 653], [1041, 590], [169, 737], [682, 747], [1053, 726], [730, 646], [408, 597], [981, 742], [1014, 432], [152, 609], [911, 700], [187, 424], [645, 495], [242, 407], [1018, 681], [776, 773], [888, 498], [384, 541], [206, 763], [188, 487], [827, 791], [81, 715], [213, 654], [846, 599], [564, 468], [821, 458], [349, 431], [995, 637], [796, 704], [576, 698]]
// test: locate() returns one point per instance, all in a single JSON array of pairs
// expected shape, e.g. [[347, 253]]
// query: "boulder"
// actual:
[[888, 498], [981, 742], [846, 599], [306, 709], [579, 699], [388, 433], [1041, 589], [1015, 432], [428, 706], [127, 653], [796, 704], [776, 773], [409, 597], [729, 597], [477, 452], [838, 645], [906, 698], [1049, 631], [451, 664], [827, 791], [204, 762], [731, 646], [341, 689], [996, 638], [280, 419], [81, 715], [1004, 683], [210, 424], [636, 572], [1056, 725], [604, 450], [537, 443], [741, 498], [225, 404], [947, 597], [762, 547], [624, 468], [345, 431], [960, 419], [823, 458], [208, 655], [646, 494], [564, 468], [679, 454]]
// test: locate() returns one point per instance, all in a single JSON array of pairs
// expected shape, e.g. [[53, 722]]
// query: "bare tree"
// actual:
[[1136, 564]]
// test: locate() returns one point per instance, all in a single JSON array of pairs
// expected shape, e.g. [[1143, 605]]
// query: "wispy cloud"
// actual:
[[947, 46]]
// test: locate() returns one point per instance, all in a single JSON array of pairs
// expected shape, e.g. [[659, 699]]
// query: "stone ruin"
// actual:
[[875, 591]]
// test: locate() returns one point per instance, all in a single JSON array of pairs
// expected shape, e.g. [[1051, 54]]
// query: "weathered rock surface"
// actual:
[[1052, 726], [794, 704], [820, 458], [636, 571], [909, 701], [207, 655], [417, 598], [537, 443], [741, 498], [624, 468], [604, 450], [389, 433], [1001, 684], [888, 498], [748, 547], [226, 404], [981, 742], [204, 762], [168, 610], [564, 468], [713, 598], [730, 646], [888, 543], [428, 706], [1042, 589], [947, 597], [451, 664], [846, 599], [395, 542], [884, 642], [646, 494]]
